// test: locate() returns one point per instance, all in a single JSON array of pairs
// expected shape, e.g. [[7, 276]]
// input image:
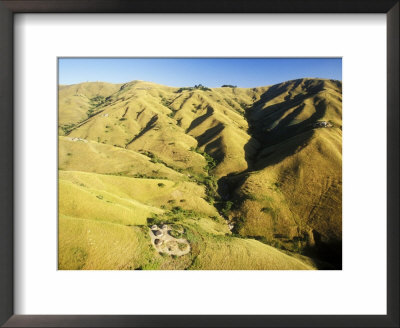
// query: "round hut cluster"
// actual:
[[168, 240]]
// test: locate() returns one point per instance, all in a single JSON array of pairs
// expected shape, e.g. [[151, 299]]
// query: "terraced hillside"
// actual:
[[250, 177]]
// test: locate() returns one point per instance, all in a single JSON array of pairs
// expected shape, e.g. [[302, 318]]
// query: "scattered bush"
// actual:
[[196, 87], [243, 105], [182, 246], [68, 128], [211, 161], [227, 208], [251, 196], [165, 102], [175, 234], [144, 176], [172, 114], [267, 210], [214, 218], [177, 209]]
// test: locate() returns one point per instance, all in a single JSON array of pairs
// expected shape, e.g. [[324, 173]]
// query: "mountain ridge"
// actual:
[[268, 164]]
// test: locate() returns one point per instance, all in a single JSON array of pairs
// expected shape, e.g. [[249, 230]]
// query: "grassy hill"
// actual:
[[78, 100], [252, 176]]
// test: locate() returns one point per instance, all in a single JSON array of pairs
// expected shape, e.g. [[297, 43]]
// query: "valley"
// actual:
[[249, 178]]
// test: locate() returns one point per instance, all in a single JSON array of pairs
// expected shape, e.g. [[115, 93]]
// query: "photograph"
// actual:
[[199, 163]]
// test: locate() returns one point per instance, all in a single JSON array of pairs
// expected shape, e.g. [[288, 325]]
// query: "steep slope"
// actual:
[[267, 160], [90, 156], [293, 195], [76, 102]]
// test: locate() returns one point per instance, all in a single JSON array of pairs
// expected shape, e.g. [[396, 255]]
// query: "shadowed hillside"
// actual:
[[252, 176]]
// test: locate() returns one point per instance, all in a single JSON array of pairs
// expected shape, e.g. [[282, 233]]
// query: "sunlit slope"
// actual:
[[143, 152], [75, 100], [91, 156], [233, 254], [99, 200], [167, 122], [103, 226], [94, 192], [294, 194], [99, 245]]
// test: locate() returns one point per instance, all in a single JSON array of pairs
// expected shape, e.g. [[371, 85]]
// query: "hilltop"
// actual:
[[251, 175]]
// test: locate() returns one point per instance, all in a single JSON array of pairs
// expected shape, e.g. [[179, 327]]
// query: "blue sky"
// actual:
[[211, 72]]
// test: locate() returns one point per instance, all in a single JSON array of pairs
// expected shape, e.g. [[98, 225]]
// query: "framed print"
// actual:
[[217, 164], [191, 161]]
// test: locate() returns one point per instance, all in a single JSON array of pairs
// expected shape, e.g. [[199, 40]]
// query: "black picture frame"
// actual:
[[10, 7]]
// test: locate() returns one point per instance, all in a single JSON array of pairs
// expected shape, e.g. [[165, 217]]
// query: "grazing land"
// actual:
[[231, 178]]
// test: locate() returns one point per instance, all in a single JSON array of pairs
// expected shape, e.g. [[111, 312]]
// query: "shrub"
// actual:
[[155, 160], [267, 210], [239, 221], [211, 161], [183, 89], [68, 128], [243, 105], [214, 218], [175, 234], [227, 207], [89, 113], [144, 176], [209, 199], [201, 87], [177, 209], [251, 196], [161, 185], [182, 246], [154, 219], [196, 87]]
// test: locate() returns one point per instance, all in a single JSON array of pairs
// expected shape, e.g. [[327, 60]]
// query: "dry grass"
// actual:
[[140, 160], [93, 245], [233, 254], [74, 100]]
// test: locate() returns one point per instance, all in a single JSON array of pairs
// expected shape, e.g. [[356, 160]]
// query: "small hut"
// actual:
[[157, 233]]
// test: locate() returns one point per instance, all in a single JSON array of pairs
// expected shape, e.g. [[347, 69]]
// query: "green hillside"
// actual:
[[250, 177]]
